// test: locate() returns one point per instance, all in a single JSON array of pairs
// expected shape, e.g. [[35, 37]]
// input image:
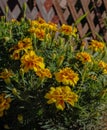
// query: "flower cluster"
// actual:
[[4, 103], [49, 76]]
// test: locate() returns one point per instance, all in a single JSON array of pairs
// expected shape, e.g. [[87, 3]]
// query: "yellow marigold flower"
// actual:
[[32, 30], [4, 103], [61, 95], [96, 45], [27, 40], [43, 26], [67, 76], [25, 44], [6, 75], [103, 66], [40, 34], [105, 70], [16, 55], [40, 20], [33, 23], [52, 26], [68, 30], [83, 57], [39, 23], [44, 73], [30, 61]]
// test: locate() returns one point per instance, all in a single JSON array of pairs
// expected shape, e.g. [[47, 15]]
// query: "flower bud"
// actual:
[[15, 92], [20, 118], [60, 60], [6, 39]]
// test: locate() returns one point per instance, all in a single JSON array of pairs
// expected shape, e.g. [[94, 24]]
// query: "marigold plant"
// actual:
[[50, 78]]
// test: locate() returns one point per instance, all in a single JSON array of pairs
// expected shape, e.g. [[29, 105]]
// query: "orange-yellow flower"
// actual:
[[25, 44], [16, 55], [96, 45], [68, 30], [67, 76], [30, 61], [61, 95], [42, 73], [83, 57], [52, 27], [6, 75], [105, 70], [40, 20], [40, 34], [103, 66], [33, 23], [32, 29], [4, 103]]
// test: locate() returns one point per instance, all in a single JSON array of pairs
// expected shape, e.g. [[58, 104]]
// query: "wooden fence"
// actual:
[[62, 12]]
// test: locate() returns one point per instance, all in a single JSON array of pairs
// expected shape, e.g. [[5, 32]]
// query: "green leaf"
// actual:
[[99, 37], [80, 19]]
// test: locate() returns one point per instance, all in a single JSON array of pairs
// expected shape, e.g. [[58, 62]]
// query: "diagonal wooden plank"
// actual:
[[89, 19], [75, 15], [16, 12], [3, 5], [105, 3], [59, 11]]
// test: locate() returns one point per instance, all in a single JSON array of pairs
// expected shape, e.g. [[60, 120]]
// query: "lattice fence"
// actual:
[[62, 11], [94, 21]]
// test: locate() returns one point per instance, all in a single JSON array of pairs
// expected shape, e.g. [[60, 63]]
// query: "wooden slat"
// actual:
[[59, 11], [74, 14], [91, 24], [105, 3]]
